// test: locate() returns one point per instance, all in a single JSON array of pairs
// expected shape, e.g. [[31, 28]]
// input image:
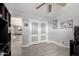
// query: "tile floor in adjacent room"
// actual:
[[42, 49]]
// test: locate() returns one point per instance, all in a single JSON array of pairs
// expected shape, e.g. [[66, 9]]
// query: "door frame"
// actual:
[[46, 32], [39, 30]]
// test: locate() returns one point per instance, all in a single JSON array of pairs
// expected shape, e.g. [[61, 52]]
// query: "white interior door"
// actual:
[[43, 33], [38, 31], [34, 28]]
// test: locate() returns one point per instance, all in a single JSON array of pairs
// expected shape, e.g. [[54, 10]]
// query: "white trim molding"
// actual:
[[39, 31], [33, 43], [47, 42], [58, 44], [26, 45]]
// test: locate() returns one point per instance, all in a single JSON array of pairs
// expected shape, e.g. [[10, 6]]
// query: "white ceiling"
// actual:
[[31, 8]]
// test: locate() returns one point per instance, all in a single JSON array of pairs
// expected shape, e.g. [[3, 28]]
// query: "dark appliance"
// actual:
[[76, 40]]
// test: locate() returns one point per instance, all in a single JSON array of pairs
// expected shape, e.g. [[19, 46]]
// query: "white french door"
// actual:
[[38, 32], [43, 31]]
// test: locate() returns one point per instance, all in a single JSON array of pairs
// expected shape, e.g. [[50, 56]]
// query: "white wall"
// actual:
[[16, 21], [62, 36], [26, 32], [26, 18]]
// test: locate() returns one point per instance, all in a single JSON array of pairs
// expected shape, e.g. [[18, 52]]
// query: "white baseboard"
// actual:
[[47, 42], [33, 43], [26, 45], [58, 44]]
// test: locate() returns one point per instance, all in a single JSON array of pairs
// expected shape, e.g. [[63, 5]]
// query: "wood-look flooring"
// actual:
[[42, 49]]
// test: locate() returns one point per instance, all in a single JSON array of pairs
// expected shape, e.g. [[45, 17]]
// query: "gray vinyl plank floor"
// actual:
[[42, 49]]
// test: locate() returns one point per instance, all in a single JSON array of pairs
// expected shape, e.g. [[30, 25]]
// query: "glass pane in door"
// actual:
[[34, 38], [43, 31], [43, 28], [43, 37], [34, 32], [34, 28]]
